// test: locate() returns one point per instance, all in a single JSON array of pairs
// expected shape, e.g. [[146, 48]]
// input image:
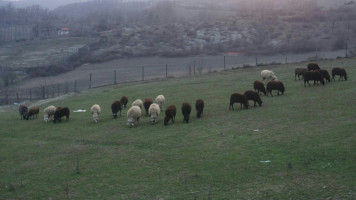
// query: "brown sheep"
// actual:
[[186, 109], [313, 75], [115, 108], [23, 109], [147, 103], [325, 74], [199, 106], [124, 100], [170, 114], [238, 98], [254, 96], [299, 72], [275, 85], [340, 72], [259, 86], [33, 112], [313, 66], [61, 112]]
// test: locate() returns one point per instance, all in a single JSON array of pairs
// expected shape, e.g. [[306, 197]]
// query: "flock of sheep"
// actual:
[[153, 109]]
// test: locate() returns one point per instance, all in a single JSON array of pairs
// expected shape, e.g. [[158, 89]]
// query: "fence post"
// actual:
[[256, 61], [143, 73], [43, 92], [166, 70], [17, 96], [115, 78], [6, 97], [59, 89], [224, 63], [75, 86], [194, 67], [90, 80]]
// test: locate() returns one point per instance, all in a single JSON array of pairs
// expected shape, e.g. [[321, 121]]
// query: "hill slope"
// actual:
[[307, 134]]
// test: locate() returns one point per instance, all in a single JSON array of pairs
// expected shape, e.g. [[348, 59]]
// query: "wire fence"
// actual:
[[147, 71]]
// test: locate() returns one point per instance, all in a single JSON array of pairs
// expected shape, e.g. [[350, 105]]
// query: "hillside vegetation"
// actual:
[[307, 134]]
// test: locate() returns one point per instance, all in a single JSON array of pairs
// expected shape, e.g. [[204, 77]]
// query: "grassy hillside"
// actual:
[[308, 134]]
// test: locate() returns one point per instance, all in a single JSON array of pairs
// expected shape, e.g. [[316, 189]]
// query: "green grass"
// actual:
[[308, 134]]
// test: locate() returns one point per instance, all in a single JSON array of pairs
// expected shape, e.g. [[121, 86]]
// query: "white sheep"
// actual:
[[48, 113], [138, 103], [133, 115], [153, 112], [95, 111], [160, 100], [268, 75]]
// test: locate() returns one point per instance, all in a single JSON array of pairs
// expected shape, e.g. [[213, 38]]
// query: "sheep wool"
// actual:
[[154, 112], [138, 103], [133, 116], [160, 100], [48, 113], [95, 111], [268, 75]]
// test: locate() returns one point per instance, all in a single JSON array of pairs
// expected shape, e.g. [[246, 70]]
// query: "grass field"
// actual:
[[307, 134]]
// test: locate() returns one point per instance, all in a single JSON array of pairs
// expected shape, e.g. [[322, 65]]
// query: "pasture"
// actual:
[[300, 145]]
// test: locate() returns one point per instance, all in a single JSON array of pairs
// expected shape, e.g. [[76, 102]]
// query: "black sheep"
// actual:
[[340, 72], [124, 100], [325, 74], [23, 109], [260, 87], [275, 85], [254, 96], [115, 108], [315, 76], [313, 66], [32, 113], [147, 103], [199, 106], [299, 72], [238, 98], [170, 114], [186, 109], [61, 112]]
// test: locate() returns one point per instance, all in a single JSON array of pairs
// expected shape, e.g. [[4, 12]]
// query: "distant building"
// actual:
[[63, 31]]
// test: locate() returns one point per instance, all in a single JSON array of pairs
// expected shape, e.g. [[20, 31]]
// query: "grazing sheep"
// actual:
[[199, 106], [313, 75], [23, 109], [313, 66], [160, 100], [170, 114], [186, 109], [138, 103], [260, 87], [268, 75], [254, 96], [115, 108], [61, 112], [340, 72], [275, 85], [33, 112], [95, 110], [48, 113], [124, 101], [154, 112], [325, 74], [147, 103], [133, 116], [299, 72], [238, 98]]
